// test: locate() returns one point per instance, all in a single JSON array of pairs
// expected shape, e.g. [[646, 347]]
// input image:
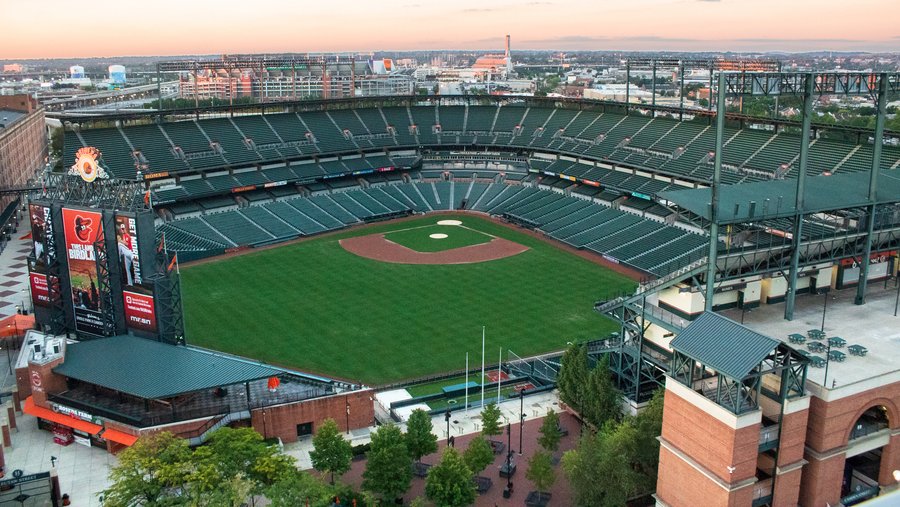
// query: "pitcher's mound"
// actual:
[[449, 222], [377, 247]]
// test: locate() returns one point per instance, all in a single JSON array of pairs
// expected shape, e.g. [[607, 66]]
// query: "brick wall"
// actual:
[[793, 438], [23, 148], [830, 423], [710, 442], [22, 103], [828, 431], [23, 381], [679, 484], [281, 421], [787, 489], [44, 382], [821, 481]]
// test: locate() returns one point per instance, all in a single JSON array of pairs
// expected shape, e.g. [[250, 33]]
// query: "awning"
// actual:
[[31, 409], [16, 325], [119, 437]]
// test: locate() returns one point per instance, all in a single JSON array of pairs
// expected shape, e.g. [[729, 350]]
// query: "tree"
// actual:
[[237, 452], [151, 472], [490, 420], [550, 434], [389, 466], [478, 455], [648, 425], [602, 401], [449, 483], [605, 455], [331, 452], [295, 489], [419, 438], [573, 376], [540, 471]]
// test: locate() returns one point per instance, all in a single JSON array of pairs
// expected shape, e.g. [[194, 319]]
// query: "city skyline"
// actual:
[[181, 28]]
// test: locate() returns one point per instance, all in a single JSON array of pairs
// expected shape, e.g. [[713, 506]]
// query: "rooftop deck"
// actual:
[[872, 325], [134, 411]]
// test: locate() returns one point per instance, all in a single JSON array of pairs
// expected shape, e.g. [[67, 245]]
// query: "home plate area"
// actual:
[[445, 242]]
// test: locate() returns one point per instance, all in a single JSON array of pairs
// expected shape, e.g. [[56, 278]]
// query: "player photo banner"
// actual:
[[44, 252], [82, 229], [137, 296], [128, 251], [42, 233]]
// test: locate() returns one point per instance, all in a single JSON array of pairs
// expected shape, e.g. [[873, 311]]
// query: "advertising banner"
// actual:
[[82, 229], [44, 252], [136, 294]]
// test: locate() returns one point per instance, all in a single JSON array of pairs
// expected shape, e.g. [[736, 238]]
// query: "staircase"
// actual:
[[653, 286]]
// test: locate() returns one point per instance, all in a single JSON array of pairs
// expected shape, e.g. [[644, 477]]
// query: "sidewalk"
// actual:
[[462, 423], [464, 433], [14, 289], [82, 470]]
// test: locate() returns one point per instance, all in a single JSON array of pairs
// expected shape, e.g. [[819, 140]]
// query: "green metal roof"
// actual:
[[152, 370], [821, 193], [724, 345]]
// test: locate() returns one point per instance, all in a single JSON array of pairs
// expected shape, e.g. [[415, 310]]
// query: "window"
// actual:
[[304, 429]]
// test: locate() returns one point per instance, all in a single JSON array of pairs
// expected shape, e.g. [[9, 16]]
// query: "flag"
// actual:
[[174, 263], [162, 244], [147, 200]]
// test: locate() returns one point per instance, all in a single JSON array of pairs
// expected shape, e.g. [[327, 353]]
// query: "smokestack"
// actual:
[[509, 65]]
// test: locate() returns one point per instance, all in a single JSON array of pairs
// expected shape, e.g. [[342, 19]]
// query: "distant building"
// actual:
[[76, 72], [13, 67], [361, 78], [23, 142]]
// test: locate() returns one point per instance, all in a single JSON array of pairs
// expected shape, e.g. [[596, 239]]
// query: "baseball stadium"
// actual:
[[347, 246]]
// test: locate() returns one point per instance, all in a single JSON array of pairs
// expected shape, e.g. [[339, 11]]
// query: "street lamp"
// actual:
[[447, 418], [521, 417], [509, 452], [347, 401]]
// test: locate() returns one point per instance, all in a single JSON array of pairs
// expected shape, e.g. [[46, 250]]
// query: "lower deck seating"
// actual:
[[578, 221]]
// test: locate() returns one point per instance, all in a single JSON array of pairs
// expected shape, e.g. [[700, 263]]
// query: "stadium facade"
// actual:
[[743, 218]]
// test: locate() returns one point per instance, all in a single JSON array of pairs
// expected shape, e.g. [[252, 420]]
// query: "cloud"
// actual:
[[709, 1], [476, 10]]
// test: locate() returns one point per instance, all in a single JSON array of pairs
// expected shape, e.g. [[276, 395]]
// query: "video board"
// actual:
[[83, 230]]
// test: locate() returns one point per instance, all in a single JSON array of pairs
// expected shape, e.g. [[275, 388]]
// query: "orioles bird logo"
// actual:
[[83, 228]]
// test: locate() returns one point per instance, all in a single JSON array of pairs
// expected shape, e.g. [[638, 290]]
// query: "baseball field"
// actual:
[[374, 316]]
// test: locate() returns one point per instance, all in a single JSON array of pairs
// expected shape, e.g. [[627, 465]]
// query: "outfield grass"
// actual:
[[418, 238], [316, 307]]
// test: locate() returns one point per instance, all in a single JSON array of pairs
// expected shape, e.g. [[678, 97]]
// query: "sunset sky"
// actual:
[[58, 28]]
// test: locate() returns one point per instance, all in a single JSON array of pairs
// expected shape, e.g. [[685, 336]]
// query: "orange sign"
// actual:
[[87, 164]]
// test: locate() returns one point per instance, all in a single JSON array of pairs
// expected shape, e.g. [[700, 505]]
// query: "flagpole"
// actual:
[[467, 384], [499, 371], [482, 367]]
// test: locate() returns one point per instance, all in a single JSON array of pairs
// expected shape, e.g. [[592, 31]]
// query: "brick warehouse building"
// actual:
[[752, 420], [23, 142], [107, 392]]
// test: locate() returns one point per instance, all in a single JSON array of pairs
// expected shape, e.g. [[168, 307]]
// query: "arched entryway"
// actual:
[[861, 470]]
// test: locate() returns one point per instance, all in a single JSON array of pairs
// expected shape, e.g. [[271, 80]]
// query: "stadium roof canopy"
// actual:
[[724, 345], [821, 193], [153, 370]]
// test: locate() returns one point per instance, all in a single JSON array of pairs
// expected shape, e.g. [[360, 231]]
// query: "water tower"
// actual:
[[76, 72], [117, 74]]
